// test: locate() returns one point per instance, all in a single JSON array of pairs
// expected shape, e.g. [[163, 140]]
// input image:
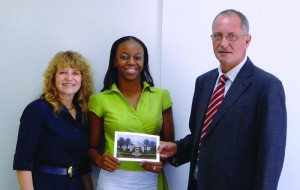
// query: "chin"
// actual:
[[224, 58]]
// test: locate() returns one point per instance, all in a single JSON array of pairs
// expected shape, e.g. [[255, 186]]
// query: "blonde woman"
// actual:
[[51, 151]]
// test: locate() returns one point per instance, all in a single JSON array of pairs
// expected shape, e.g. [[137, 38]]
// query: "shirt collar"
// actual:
[[114, 88], [234, 71]]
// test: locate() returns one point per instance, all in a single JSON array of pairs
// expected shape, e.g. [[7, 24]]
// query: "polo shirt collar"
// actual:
[[114, 87]]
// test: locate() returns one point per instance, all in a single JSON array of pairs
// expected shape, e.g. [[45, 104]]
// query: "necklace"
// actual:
[[72, 107]]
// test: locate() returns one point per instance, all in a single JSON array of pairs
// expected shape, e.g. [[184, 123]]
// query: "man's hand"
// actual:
[[167, 149]]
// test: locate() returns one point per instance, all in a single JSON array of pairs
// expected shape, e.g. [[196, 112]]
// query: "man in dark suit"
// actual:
[[244, 144]]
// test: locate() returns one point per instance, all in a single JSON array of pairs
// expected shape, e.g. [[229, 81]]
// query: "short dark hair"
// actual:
[[111, 75], [243, 18]]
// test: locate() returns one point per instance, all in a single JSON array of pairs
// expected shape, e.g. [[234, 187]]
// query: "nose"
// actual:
[[224, 42], [131, 61], [69, 76]]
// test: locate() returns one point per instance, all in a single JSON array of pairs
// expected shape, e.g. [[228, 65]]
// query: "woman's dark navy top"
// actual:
[[57, 140]]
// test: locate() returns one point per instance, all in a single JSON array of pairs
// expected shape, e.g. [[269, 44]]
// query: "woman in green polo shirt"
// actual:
[[128, 102]]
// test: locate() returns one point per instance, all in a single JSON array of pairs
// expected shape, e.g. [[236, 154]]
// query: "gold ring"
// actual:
[[154, 168]]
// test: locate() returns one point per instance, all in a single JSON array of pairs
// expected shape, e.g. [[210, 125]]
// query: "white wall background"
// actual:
[[176, 33]]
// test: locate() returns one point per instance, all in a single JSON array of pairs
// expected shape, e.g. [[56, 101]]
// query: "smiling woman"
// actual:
[[129, 102], [53, 125], [68, 82], [130, 58]]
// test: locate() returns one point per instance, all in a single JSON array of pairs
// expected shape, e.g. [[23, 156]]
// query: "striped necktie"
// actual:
[[213, 106]]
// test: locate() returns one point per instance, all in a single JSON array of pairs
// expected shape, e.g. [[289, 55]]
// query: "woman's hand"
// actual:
[[108, 163], [155, 167]]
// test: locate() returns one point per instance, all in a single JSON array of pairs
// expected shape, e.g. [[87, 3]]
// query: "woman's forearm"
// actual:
[[25, 180], [87, 182]]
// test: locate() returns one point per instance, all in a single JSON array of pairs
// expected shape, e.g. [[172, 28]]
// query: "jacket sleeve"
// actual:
[[184, 148], [272, 128]]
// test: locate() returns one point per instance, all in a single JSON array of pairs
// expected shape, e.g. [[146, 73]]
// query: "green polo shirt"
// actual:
[[119, 115]]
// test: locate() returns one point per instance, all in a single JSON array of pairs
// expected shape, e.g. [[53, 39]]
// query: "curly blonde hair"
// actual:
[[75, 61]]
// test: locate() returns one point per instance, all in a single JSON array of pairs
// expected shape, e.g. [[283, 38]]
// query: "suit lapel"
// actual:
[[240, 84], [206, 88]]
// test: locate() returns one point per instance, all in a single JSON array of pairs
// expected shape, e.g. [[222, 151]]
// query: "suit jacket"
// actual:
[[244, 146]]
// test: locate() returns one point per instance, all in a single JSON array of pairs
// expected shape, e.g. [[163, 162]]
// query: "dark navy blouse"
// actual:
[[51, 139]]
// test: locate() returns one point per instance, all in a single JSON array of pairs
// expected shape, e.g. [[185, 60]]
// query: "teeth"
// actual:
[[68, 85], [131, 70]]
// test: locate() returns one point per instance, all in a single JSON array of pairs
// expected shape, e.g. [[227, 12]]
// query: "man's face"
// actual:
[[231, 50]]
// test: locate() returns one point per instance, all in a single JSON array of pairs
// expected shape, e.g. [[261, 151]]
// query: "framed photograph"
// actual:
[[136, 147]]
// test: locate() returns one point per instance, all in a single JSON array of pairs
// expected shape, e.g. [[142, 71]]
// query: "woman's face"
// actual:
[[129, 60], [67, 81]]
